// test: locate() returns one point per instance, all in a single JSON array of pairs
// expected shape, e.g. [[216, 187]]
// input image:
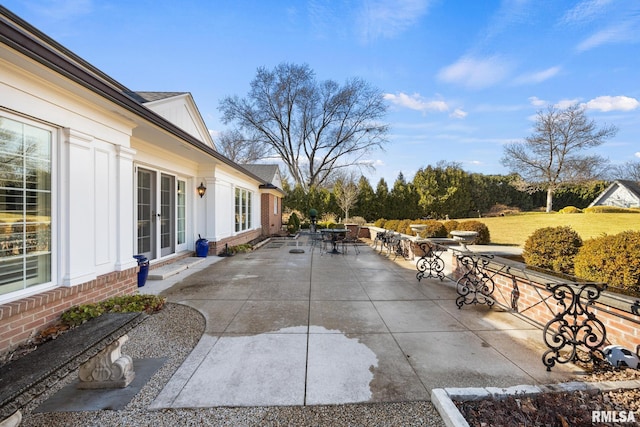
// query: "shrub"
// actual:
[[450, 226], [241, 249], [380, 222], [609, 209], [483, 231], [553, 248], [403, 227], [570, 210], [502, 210], [293, 224], [434, 229], [328, 218], [612, 259], [79, 314], [392, 224], [358, 220]]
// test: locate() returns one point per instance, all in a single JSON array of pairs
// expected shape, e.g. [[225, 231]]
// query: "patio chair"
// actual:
[[326, 242], [352, 239]]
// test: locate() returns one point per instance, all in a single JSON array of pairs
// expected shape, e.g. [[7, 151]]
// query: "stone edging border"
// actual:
[[442, 398]]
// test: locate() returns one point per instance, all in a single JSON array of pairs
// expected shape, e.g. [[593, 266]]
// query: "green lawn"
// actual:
[[515, 229]]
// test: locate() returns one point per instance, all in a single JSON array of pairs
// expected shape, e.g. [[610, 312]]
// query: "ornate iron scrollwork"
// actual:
[[635, 307], [475, 286], [430, 264], [574, 326]]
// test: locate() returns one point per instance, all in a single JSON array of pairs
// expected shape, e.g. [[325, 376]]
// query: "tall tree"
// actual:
[[314, 127], [553, 155], [382, 198], [234, 145], [365, 205]]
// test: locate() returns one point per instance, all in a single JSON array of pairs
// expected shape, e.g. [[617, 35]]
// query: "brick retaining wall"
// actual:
[[536, 303]]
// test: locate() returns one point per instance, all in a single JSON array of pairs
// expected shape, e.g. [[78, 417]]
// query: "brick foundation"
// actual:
[[216, 248], [24, 318]]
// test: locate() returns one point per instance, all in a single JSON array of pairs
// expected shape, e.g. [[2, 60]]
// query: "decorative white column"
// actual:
[[125, 209], [77, 251]]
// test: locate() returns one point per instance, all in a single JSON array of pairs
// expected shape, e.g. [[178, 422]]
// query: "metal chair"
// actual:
[[352, 239]]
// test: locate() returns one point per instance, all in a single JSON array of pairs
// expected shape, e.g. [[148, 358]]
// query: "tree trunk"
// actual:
[[549, 200]]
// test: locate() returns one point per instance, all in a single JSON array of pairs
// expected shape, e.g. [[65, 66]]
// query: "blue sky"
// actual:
[[462, 78]]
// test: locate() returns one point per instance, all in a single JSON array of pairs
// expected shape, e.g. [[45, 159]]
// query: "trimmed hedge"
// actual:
[[553, 248], [483, 231], [612, 259], [610, 209]]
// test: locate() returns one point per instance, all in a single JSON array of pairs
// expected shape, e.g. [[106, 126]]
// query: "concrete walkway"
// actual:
[[308, 328]]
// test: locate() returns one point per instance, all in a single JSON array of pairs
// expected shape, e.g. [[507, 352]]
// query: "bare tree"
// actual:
[[553, 155], [234, 145], [629, 171], [346, 191], [314, 127]]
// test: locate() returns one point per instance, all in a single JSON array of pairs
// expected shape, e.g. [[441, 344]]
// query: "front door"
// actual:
[[156, 214], [167, 214]]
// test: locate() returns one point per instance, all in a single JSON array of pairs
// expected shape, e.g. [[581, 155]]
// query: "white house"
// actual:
[[621, 193], [92, 173]]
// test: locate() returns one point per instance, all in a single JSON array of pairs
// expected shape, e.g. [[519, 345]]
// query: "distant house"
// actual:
[[621, 193], [92, 173]]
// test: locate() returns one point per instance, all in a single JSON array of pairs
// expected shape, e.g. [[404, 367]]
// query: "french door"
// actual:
[[156, 213]]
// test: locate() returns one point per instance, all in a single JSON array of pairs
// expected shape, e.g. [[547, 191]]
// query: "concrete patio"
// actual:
[[288, 328]]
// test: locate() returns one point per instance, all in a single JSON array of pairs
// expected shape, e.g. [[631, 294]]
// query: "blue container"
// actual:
[[143, 272], [202, 247]]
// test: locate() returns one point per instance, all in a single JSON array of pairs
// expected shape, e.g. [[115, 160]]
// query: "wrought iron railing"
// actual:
[[574, 333], [430, 264], [575, 326]]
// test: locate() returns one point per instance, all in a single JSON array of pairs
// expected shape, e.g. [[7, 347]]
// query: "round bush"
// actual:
[[483, 231], [451, 225], [553, 248], [570, 210], [614, 260], [434, 229]]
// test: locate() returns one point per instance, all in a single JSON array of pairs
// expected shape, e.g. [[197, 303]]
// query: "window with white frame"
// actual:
[[243, 209], [25, 204]]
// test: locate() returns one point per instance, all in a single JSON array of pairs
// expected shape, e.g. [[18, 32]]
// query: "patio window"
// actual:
[[25, 204], [243, 210]]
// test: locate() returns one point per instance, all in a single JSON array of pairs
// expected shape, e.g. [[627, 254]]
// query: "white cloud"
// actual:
[[381, 18], [585, 11], [476, 73], [537, 102], [566, 103], [458, 114], [637, 154], [416, 102], [613, 103], [615, 34], [538, 76]]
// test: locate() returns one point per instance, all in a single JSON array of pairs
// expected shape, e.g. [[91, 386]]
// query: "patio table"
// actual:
[[334, 232]]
